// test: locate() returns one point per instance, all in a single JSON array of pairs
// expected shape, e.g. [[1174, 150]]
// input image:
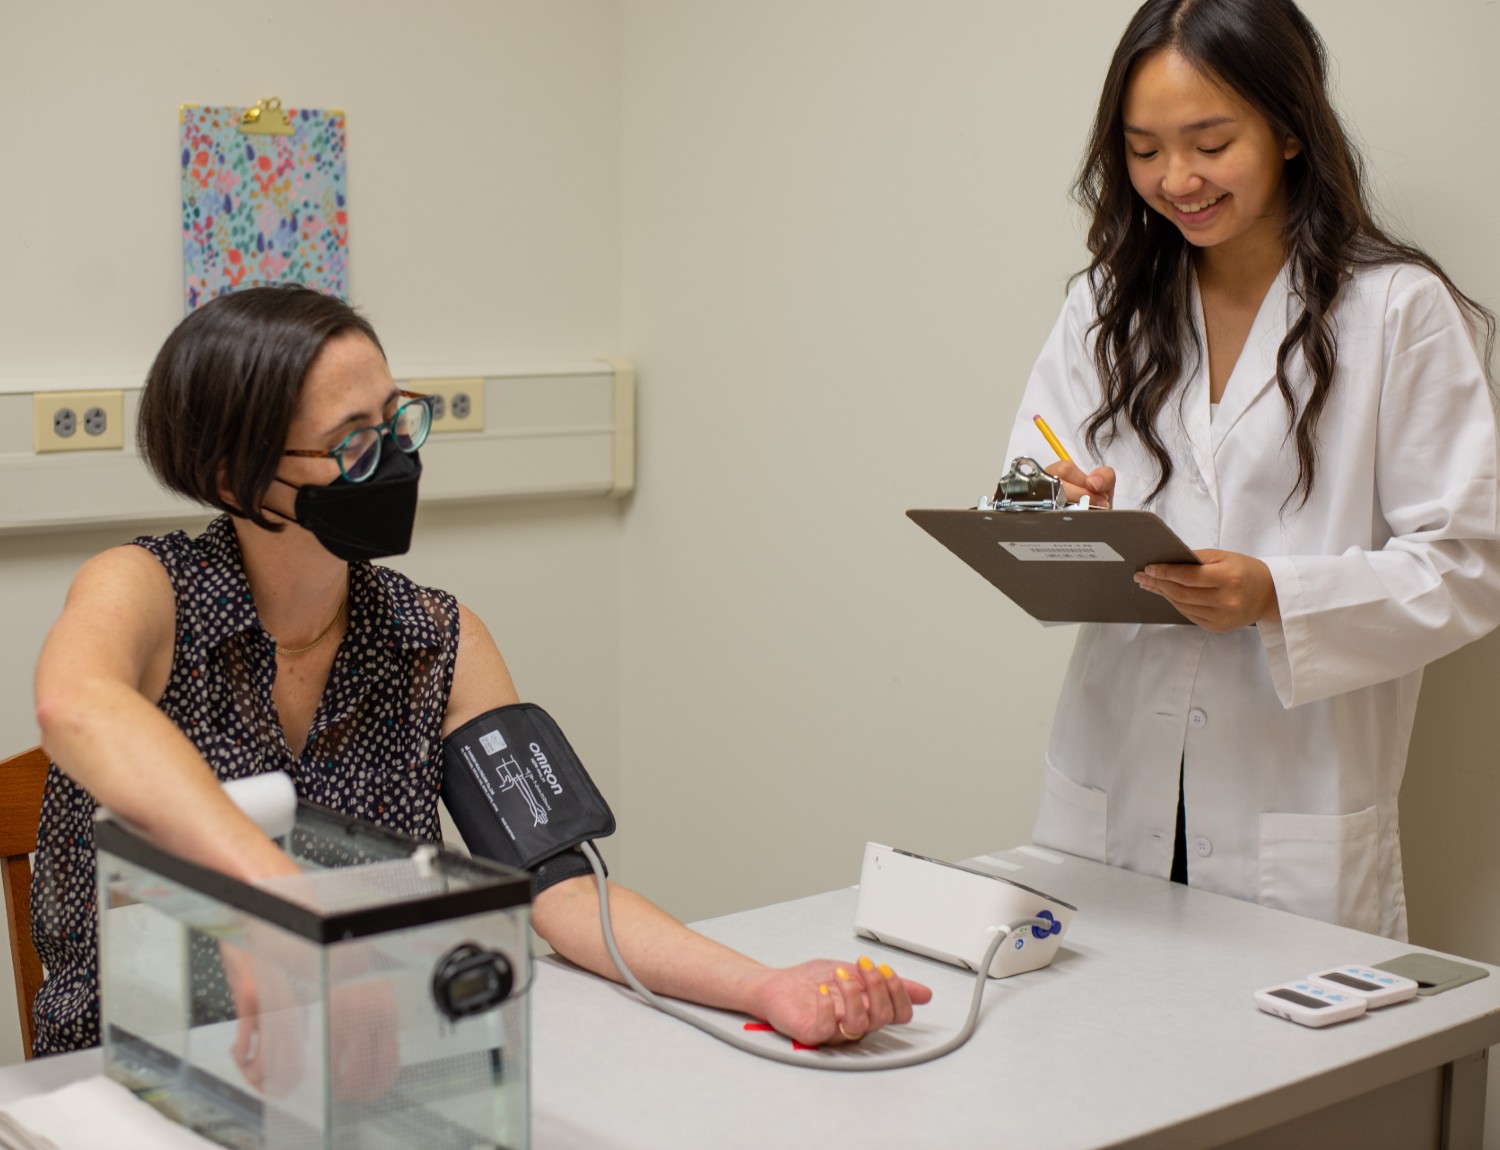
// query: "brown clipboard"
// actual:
[[1067, 566]]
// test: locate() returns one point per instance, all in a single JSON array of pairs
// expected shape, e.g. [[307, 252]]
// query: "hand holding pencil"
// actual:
[[1098, 485]]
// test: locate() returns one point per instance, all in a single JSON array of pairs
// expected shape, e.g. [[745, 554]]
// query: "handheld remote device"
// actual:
[[1377, 987], [1309, 1003]]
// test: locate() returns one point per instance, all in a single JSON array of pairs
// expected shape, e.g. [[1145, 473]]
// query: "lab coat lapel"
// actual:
[[1196, 425], [1255, 371]]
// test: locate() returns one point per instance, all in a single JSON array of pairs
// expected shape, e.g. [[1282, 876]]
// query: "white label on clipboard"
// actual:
[[1081, 551]]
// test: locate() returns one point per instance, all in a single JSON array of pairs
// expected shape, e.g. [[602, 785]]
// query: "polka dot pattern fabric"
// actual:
[[373, 751]]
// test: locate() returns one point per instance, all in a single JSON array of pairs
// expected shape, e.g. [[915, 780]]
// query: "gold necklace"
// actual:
[[280, 650]]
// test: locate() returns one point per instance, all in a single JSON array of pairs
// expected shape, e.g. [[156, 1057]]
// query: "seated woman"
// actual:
[[270, 642]]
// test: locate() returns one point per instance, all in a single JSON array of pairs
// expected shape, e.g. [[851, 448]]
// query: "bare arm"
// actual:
[[818, 1002], [809, 1001], [102, 669]]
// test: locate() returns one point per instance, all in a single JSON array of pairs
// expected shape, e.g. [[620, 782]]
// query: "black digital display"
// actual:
[[470, 980], [473, 984], [1348, 980], [1299, 999]]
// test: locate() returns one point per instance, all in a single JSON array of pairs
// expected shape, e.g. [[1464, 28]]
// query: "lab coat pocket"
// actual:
[[1322, 866], [1071, 817]]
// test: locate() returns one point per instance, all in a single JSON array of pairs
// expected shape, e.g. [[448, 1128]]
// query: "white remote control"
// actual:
[[1377, 987], [1309, 1003]]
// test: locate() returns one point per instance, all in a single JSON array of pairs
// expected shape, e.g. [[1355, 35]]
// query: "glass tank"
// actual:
[[377, 999]]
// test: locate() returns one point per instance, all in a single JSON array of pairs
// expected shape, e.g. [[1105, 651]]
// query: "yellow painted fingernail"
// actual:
[[842, 973], [865, 963], [887, 971], [822, 988]]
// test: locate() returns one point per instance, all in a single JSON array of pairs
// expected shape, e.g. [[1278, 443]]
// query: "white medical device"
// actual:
[[1309, 1003], [1377, 987], [951, 912]]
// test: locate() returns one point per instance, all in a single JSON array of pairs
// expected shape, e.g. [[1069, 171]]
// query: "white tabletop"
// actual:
[[1143, 1029]]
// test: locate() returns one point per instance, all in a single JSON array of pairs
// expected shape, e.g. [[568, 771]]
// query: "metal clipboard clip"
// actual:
[[266, 119], [1026, 487]]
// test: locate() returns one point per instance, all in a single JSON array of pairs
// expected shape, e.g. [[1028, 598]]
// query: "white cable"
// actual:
[[735, 1040]]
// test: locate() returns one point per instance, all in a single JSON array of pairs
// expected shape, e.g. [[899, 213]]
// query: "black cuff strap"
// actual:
[[560, 868]]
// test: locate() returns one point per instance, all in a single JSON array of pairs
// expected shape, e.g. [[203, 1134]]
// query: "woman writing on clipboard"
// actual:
[[1299, 397]]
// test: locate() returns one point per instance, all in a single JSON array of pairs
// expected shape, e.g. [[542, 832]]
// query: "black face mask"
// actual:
[[366, 520]]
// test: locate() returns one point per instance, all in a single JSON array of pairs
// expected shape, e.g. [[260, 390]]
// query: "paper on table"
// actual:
[[87, 1115]]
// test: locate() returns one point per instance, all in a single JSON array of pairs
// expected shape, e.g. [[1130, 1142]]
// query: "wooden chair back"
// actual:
[[21, 780]]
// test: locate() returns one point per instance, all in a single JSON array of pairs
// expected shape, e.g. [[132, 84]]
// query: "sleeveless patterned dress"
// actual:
[[373, 752]]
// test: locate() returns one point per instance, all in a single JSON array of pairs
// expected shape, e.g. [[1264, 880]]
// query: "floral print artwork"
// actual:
[[262, 209]]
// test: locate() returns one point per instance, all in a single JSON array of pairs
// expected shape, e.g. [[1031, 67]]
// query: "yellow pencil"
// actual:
[[1052, 440]]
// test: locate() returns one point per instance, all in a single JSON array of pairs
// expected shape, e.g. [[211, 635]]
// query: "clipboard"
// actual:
[[263, 199], [1070, 565]]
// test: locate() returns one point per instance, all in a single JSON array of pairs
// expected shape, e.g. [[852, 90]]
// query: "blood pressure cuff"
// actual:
[[518, 794]]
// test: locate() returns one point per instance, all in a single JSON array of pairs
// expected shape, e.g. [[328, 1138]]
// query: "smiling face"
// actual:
[[1205, 159]]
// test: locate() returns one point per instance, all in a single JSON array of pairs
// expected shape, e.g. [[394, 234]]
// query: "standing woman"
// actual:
[[1298, 395]]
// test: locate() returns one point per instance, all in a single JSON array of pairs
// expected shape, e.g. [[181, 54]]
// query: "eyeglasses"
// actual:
[[359, 453]]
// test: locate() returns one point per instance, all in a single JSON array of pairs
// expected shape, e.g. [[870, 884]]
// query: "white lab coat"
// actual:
[[1294, 734]]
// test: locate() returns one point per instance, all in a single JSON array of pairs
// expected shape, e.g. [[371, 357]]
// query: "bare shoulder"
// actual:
[[471, 627], [476, 646], [127, 573], [119, 621], [481, 680]]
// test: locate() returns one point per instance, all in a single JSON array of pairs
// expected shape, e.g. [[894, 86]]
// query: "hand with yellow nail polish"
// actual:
[[825, 1003]]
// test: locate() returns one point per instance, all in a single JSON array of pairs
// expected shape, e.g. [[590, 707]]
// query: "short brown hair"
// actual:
[[221, 394]]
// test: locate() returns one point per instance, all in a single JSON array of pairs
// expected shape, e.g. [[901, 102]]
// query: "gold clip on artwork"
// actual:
[[266, 119]]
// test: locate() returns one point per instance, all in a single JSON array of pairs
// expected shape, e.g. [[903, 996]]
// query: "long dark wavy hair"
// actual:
[[1271, 56]]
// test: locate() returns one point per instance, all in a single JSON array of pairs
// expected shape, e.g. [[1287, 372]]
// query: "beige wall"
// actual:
[[832, 235]]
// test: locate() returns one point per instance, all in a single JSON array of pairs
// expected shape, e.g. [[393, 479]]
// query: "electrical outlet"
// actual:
[[78, 420], [457, 404]]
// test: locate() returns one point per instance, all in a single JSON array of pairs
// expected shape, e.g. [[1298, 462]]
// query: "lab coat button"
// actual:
[[1202, 847], [1198, 718]]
